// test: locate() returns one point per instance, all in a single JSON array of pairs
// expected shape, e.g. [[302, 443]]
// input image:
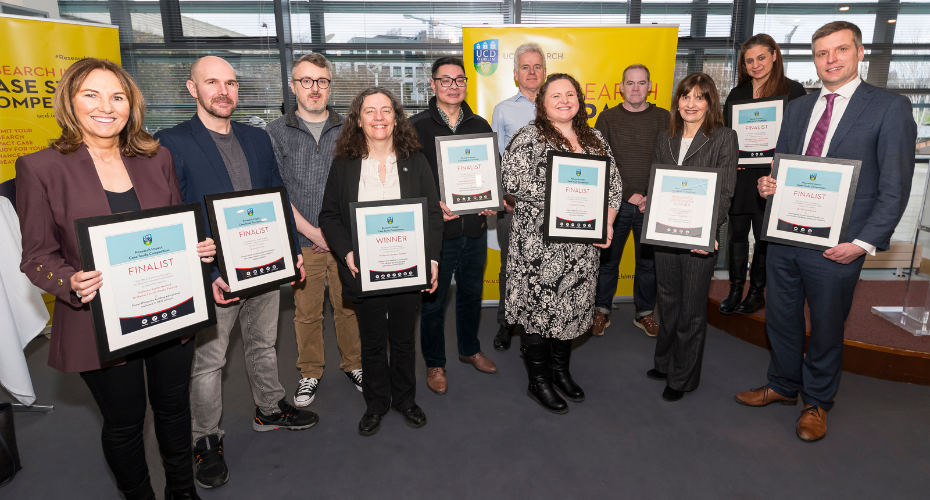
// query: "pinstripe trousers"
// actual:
[[682, 282]]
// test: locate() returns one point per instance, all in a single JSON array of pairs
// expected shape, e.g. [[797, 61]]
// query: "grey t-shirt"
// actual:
[[234, 158], [316, 128]]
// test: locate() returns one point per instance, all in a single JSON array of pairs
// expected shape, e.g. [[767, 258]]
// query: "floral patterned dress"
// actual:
[[550, 286]]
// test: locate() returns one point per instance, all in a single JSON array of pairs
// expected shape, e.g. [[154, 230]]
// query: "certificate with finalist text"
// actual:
[[757, 123], [576, 198], [254, 239], [813, 201], [390, 243], [681, 207], [155, 287], [469, 173]]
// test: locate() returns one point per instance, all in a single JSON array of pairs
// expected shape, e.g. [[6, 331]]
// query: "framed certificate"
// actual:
[[254, 239], [811, 207], [681, 207], [576, 198], [155, 288], [757, 123], [390, 240], [469, 173]]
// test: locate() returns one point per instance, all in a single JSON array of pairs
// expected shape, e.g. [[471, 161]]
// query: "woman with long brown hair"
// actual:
[[761, 74], [378, 158], [105, 162], [551, 286], [695, 137]]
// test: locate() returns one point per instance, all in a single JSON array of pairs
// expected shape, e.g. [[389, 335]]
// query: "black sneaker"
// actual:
[[289, 418], [369, 424], [356, 377], [208, 458]]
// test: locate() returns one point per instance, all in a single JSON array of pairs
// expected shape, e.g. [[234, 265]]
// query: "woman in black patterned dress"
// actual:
[[551, 286]]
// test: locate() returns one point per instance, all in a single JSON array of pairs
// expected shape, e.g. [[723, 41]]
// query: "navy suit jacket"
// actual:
[[201, 170], [877, 128]]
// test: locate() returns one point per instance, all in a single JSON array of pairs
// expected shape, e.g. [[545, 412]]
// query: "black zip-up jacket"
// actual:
[[430, 125]]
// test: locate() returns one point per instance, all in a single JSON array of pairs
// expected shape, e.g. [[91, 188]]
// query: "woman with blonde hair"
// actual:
[[103, 163]]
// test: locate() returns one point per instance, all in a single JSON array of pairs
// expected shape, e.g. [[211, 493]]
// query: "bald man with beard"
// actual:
[[214, 155]]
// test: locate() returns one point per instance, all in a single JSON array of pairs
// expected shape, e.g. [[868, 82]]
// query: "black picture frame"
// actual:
[[651, 198], [274, 194], [601, 237], [492, 156], [731, 123], [424, 227], [89, 262], [850, 197]]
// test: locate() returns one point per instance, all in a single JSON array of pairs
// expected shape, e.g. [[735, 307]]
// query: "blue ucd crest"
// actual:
[[578, 173], [486, 57], [251, 212], [467, 151], [813, 177], [147, 239], [684, 183], [390, 220]]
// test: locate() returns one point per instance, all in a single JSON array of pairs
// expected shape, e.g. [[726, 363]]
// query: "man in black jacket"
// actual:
[[465, 238]]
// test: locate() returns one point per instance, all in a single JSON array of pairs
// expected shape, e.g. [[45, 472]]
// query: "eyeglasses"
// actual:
[[307, 83], [447, 81]]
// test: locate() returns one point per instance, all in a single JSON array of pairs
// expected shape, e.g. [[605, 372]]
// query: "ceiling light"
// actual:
[[892, 20], [844, 8]]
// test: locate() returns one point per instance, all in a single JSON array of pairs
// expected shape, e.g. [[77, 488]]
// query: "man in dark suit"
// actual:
[[212, 154], [847, 119]]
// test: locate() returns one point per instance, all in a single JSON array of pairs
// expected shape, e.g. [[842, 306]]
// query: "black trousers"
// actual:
[[120, 392], [683, 280], [740, 226], [382, 320]]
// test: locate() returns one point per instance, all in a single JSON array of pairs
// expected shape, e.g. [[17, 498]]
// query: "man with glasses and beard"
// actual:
[[304, 140], [213, 155]]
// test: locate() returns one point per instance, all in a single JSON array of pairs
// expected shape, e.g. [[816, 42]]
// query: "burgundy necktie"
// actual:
[[815, 146]]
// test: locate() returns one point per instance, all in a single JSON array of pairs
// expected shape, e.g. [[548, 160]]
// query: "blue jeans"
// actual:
[[644, 282], [465, 257]]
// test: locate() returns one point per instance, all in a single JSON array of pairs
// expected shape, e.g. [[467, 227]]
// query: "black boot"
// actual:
[[536, 359], [737, 260], [142, 492], [755, 299], [561, 378], [189, 493]]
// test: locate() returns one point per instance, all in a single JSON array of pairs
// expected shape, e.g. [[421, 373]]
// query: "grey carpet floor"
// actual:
[[487, 440]]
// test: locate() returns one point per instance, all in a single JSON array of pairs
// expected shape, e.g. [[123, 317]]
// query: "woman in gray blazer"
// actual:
[[696, 137]]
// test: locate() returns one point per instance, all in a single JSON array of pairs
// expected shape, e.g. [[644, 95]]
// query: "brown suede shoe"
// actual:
[[436, 380], [763, 396], [480, 362], [812, 424], [648, 324], [601, 322]]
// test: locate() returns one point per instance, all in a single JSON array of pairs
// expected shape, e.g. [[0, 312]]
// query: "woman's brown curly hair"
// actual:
[[352, 142], [133, 139], [550, 133]]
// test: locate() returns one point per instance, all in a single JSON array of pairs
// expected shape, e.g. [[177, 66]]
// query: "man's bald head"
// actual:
[[213, 83], [209, 65]]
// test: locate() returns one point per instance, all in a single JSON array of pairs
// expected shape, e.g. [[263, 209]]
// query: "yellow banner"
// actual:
[[596, 56], [34, 53]]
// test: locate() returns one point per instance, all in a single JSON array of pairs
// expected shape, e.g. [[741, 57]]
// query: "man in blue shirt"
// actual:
[[529, 70]]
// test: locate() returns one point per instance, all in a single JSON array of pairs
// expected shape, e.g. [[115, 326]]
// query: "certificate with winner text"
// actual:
[[390, 242]]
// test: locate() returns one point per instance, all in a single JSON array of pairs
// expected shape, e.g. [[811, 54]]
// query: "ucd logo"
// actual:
[[390, 220], [147, 239], [250, 212], [757, 113], [684, 183], [467, 152], [813, 177], [486, 57], [578, 173]]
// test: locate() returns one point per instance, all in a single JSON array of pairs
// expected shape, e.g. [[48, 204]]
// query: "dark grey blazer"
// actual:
[[720, 151]]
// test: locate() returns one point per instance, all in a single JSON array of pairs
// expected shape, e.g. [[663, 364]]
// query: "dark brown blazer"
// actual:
[[52, 190]]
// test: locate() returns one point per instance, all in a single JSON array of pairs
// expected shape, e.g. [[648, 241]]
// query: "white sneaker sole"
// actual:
[[305, 403]]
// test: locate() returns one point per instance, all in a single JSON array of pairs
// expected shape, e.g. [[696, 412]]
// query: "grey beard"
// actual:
[[308, 109]]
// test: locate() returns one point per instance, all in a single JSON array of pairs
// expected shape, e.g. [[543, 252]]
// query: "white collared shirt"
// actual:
[[840, 102], [370, 187], [510, 115]]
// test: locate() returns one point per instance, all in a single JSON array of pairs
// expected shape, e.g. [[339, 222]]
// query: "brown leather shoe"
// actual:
[[480, 362], [601, 322], [648, 324], [812, 424], [436, 380], [763, 396]]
